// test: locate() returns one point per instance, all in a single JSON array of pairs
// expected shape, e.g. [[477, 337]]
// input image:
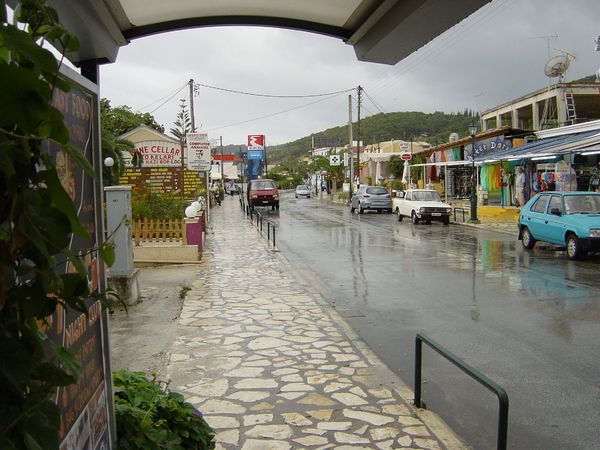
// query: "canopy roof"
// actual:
[[383, 31]]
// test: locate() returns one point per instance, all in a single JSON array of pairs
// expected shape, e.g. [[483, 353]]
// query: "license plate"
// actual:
[[265, 201], [436, 214]]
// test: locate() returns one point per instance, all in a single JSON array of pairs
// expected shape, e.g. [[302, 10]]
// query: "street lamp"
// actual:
[[473, 131], [109, 162]]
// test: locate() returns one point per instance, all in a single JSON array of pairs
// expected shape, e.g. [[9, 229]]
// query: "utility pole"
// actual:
[[265, 152], [358, 131], [350, 146], [191, 83], [221, 145]]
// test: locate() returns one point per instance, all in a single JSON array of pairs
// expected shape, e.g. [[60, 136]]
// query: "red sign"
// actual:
[[256, 141], [406, 156]]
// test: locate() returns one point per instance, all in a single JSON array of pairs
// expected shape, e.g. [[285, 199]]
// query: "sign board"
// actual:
[[198, 151], [86, 411], [156, 154], [334, 160], [325, 141], [406, 156], [256, 142], [404, 146], [255, 154], [346, 158]]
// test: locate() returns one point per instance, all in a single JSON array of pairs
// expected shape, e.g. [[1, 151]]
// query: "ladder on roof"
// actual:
[[571, 111]]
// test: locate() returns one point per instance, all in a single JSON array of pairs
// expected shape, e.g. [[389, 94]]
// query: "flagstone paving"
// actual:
[[271, 366]]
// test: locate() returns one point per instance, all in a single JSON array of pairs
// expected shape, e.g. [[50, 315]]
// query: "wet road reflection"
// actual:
[[529, 320]]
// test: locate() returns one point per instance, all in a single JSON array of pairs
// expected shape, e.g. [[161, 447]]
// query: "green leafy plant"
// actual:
[[148, 416], [37, 220], [150, 203]]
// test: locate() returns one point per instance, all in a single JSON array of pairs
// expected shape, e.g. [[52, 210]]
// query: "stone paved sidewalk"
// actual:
[[271, 366]]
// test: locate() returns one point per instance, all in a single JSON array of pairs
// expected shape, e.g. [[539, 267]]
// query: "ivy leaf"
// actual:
[[64, 203], [21, 43], [66, 359], [25, 104], [107, 253]]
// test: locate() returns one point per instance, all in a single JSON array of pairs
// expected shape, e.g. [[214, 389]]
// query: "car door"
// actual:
[[554, 224], [404, 205], [535, 219]]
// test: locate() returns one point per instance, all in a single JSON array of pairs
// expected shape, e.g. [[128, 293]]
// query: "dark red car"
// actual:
[[263, 192]]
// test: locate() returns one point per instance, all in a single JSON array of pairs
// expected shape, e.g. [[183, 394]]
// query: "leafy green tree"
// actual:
[[113, 147], [37, 221], [395, 166], [183, 124], [121, 119]]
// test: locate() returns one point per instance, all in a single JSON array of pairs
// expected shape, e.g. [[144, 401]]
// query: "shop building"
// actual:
[[557, 105]]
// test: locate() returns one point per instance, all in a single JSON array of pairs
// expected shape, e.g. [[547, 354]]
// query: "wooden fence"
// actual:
[[158, 231]]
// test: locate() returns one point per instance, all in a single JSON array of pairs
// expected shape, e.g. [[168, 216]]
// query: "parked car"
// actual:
[[371, 197], [568, 219], [262, 192], [302, 190], [422, 204]]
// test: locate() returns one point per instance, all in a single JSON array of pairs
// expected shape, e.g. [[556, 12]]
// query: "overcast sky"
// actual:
[[493, 56]]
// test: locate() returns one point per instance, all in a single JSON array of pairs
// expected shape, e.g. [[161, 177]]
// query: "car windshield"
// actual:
[[301, 187], [582, 204], [263, 185], [378, 190], [426, 196]]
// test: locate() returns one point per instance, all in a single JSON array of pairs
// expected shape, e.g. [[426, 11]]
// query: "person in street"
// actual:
[[520, 184], [216, 194]]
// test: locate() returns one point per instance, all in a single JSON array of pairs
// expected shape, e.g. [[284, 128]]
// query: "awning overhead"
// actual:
[[383, 31], [550, 146]]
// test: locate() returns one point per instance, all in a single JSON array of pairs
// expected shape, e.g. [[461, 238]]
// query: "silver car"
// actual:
[[302, 191], [371, 197]]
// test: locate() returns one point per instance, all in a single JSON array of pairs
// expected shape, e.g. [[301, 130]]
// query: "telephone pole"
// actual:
[[358, 130], [350, 146], [191, 83]]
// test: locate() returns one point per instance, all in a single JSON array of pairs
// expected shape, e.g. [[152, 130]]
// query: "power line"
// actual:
[[170, 96], [271, 95], [277, 113]]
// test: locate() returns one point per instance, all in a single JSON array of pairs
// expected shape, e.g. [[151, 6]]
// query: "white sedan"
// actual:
[[422, 204]]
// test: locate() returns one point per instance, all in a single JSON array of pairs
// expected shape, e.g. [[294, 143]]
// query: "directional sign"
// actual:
[[404, 146], [334, 160], [346, 158]]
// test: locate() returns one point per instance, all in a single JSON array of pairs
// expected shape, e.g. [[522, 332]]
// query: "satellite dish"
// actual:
[[557, 66], [453, 137]]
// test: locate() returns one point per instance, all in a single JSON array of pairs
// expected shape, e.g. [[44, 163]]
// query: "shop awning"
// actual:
[[553, 146], [383, 31]]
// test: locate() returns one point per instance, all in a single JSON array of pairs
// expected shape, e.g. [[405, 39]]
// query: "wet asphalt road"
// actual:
[[528, 320]]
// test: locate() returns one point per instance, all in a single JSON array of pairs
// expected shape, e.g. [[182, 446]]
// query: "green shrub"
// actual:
[[150, 417], [150, 203]]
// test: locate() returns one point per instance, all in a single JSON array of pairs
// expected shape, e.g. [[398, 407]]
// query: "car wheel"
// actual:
[[379, 211], [527, 238], [446, 221], [360, 209], [574, 250], [272, 207], [399, 217], [296, 196], [352, 208], [277, 206], [428, 222], [414, 218]]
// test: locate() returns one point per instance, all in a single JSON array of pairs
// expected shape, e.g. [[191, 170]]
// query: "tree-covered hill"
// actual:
[[434, 128]]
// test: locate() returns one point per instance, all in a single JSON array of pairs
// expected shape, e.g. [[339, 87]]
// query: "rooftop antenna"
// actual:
[[558, 65], [554, 36]]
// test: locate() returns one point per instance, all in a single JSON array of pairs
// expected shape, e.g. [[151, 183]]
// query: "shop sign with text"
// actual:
[[156, 154]]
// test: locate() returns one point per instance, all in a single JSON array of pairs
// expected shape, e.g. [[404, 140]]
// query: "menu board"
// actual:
[[86, 413], [165, 179]]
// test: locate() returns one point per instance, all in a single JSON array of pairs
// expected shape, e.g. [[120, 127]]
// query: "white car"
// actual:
[[302, 191], [422, 204]]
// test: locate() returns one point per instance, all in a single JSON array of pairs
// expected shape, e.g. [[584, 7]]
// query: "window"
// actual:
[[408, 196], [427, 196], [555, 203], [377, 190], [263, 185], [540, 204]]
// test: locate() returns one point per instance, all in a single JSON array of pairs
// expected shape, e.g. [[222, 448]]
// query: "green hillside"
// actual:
[[433, 128]]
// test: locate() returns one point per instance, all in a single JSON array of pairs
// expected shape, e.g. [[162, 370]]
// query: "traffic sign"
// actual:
[[404, 146], [406, 156], [334, 160]]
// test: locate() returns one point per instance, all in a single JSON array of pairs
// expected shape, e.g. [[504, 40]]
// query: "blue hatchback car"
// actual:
[[568, 219]]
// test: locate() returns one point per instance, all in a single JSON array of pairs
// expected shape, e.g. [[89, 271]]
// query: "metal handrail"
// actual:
[[251, 213], [473, 373]]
